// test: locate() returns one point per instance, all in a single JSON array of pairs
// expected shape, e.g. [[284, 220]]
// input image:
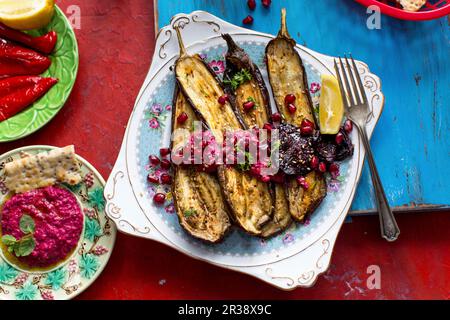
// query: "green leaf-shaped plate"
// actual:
[[64, 67]]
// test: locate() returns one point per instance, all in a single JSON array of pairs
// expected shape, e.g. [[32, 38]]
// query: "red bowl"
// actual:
[[433, 9]]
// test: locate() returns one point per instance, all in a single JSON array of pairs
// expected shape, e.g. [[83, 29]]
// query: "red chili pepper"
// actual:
[[18, 61], [10, 85], [17, 93], [44, 44]]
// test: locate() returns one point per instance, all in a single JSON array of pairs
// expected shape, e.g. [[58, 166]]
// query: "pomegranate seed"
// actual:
[[164, 152], [308, 123], [166, 178], [322, 167], [152, 179], [251, 4], [276, 117], [292, 108], [306, 130], [248, 20], [267, 127], [307, 127], [278, 178], [302, 182], [223, 99], [334, 170], [314, 162], [159, 198], [290, 98], [211, 168], [249, 105], [266, 3], [256, 171], [339, 138], [154, 160], [182, 118], [348, 126], [165, 164], [265, 179]]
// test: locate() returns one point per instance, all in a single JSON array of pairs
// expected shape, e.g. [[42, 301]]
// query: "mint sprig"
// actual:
[[25, 245], [239, 78]]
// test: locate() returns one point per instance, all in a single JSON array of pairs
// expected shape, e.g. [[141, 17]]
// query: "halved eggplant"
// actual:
[[281, 218], [248, 198], [287, 75], [254, 88], [199, 203]]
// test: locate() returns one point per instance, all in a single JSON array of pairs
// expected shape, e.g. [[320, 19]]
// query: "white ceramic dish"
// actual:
[[293, 259]]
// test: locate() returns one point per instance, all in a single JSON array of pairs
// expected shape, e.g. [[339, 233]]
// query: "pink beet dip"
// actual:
[[58, 224]]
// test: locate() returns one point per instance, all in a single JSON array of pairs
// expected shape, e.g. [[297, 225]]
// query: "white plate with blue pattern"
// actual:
[[292, 259]]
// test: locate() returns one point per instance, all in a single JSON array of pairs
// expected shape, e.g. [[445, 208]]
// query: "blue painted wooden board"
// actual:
[[412, 140]]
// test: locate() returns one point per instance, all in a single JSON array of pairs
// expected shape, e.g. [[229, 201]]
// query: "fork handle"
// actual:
[[388, 225]]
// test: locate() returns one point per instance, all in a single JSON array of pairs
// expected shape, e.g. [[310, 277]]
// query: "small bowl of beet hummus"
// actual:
[[58, 226]]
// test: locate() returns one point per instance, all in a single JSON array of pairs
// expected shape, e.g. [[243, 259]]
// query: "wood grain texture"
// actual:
[[411, 144]]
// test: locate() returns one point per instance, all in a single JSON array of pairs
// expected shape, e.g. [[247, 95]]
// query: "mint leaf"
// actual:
[[239, 78], [9, 240], [246, 166], [25, 246], [190, 212], [27, 225]]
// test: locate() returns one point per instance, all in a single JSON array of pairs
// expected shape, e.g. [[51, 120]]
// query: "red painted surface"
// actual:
[[116, 44]]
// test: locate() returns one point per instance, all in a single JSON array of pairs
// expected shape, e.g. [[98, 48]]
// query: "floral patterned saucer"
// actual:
[[90, 258]]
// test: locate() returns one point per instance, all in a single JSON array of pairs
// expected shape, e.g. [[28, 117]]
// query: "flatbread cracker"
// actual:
[[412, 5], [43, 170]]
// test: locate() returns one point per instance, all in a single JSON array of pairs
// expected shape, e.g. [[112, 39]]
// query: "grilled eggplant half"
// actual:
[[249, 199], [281, 217], [238, 61], [199, 203], [287, 75], [253, 87]]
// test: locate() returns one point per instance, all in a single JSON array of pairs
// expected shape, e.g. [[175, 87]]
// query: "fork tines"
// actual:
[[354, 94]]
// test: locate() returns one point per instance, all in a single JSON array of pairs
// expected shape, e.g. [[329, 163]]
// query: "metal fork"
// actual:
[[357, 110]]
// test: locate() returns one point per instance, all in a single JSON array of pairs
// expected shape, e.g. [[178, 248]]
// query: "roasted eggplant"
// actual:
[[199, 203], [248, 198], [287, 76], [254, 88]]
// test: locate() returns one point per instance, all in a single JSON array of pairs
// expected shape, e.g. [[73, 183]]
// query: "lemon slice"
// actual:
[[26, 14], [331, 108]]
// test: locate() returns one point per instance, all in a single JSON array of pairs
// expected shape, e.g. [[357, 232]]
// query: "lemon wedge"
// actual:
[[26, 14], [331, 108]]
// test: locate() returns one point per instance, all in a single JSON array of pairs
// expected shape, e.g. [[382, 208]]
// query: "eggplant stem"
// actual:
[[284, 30], [230, 42], [183, 51]]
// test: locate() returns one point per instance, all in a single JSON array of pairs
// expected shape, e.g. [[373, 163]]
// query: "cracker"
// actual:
[[412, 5], [43, 170]]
